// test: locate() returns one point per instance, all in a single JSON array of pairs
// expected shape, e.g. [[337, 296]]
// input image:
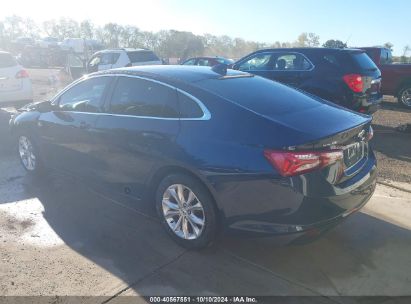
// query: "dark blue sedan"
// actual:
[[209, 148]]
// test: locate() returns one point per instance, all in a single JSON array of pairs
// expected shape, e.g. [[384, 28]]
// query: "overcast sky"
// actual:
[[360, 22]]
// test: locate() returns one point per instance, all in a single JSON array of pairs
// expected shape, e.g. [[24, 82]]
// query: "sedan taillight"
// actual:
[[22, 74], [289, 163]]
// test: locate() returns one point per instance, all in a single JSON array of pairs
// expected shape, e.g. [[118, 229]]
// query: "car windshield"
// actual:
[[6, 60]]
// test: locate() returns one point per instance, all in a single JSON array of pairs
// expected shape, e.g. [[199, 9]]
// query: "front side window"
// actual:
[[86, 96], [107, 58], [95, 61], [257, 62], [190, 62], [139, 97]]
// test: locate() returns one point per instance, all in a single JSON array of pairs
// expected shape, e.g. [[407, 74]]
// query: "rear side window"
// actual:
[[188, 107], [291, 62], [203, 62], [139, 97], [363, 61], [386, 57], [142, 56], [6, 61]]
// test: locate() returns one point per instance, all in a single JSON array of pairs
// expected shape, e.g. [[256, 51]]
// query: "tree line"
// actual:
[[166, 43]]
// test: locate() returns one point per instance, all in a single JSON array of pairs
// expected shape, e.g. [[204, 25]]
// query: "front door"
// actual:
[[138, 133], [67, 133]]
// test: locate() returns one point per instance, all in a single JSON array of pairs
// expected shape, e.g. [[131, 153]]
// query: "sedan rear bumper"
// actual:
[[282, 207]]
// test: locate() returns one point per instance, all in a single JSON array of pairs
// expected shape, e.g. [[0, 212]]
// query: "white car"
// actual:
[[15, 84], [119, 58]]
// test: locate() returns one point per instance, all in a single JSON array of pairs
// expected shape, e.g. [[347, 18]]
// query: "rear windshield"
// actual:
[[141, 56], [6, 61], [260, 95], [363, 61]]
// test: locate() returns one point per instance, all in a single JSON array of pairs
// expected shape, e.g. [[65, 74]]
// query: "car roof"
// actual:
[[309, 50], [124, 50], [167, 73]]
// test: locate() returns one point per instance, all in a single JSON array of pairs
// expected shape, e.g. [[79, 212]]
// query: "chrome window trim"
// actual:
[[277, 52], [206, 112]]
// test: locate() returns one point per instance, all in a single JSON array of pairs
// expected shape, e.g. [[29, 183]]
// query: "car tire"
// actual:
[[29, 156], [187, 211], [404, 96]]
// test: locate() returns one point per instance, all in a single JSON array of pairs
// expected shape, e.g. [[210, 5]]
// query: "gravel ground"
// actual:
[[393, 149]]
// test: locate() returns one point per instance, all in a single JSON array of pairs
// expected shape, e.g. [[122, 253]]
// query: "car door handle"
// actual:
[[84, 125], [152, 135]]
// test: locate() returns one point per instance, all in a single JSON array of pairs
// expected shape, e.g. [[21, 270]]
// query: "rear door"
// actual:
[[138, 133], [9, 68], [67, 134], [291, 68]]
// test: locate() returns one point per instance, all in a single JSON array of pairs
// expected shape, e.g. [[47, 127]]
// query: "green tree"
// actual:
[[308, 40], [13, 26], [388, 45], [87, 29], [337, 44]]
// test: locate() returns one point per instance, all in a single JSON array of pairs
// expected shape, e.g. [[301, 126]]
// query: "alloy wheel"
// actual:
[[26, 152], [183, 212], [406, 97]]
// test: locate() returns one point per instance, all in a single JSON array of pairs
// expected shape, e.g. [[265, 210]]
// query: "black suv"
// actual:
[[344, 76]]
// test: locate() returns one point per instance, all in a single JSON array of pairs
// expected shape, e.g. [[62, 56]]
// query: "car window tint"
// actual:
[[260, 95], [296, 62], [142, 56], [363, 61], [134, 96], [108, 58], [386, 57], [188, 107], [87, 96], [203, 62], [330, 59], [190, 62], [257, 62], [6, 60]]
